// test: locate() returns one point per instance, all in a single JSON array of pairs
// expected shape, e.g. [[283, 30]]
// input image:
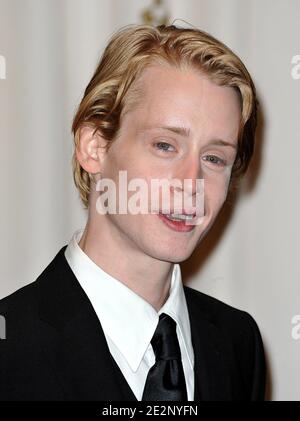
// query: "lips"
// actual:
[[176, 225]]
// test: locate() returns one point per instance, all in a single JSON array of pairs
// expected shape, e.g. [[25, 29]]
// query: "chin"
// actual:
[[172, 255]]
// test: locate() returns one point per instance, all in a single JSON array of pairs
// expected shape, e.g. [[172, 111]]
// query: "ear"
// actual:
[[91, 149]]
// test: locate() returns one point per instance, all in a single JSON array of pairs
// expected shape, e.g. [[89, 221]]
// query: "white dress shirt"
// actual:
[[129, 322]]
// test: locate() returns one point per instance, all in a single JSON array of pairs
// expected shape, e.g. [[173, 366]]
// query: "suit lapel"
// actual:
[[73, 339], [211, 369]]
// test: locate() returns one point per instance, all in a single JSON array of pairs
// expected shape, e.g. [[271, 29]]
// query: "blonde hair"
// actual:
[[108, 95]]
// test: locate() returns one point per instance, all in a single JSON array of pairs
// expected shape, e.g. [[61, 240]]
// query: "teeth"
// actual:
[[180, 217]]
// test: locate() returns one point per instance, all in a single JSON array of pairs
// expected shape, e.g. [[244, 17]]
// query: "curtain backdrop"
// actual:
[[250, 259]]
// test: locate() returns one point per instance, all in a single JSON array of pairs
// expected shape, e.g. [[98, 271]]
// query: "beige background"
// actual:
[[251, 258]]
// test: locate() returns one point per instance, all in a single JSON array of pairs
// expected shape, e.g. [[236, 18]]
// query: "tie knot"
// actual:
[[165, 342]]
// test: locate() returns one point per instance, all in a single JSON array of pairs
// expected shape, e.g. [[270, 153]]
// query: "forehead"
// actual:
[[168, 95]]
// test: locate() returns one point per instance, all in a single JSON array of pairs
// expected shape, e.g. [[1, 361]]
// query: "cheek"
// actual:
[[215, 193]]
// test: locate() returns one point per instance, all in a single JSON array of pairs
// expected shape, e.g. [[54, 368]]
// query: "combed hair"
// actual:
[[108, 95]]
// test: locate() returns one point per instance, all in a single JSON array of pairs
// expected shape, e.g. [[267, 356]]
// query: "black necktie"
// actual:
[[165, 380]]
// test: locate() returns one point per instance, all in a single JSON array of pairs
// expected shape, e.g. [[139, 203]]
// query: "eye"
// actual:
[[213, 159], [164, 146]]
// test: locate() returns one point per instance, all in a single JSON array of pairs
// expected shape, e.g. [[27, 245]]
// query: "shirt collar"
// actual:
[[131, 331]]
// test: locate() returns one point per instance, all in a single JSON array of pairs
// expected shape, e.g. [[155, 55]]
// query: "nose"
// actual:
[[188, 172]]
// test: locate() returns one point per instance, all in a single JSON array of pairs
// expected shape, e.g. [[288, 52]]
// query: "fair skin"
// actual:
[[140, 250]]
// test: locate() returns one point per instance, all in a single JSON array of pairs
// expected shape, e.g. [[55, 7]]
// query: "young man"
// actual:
[[109, 318]]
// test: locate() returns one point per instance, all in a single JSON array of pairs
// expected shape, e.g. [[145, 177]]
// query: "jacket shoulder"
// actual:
[[223, 315], [25, 372], [239, 331], [23, 301], [19, 301]]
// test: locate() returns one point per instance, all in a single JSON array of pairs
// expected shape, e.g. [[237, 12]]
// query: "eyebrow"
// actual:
[[185, 132]]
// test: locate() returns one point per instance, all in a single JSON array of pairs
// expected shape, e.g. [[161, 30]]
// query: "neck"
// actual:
[[148, 277]]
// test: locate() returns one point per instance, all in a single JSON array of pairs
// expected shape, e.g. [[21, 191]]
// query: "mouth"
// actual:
[[180, 216], [178, 222]]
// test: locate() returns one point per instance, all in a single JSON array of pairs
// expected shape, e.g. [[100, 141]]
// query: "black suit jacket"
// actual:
[[55, 348]]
